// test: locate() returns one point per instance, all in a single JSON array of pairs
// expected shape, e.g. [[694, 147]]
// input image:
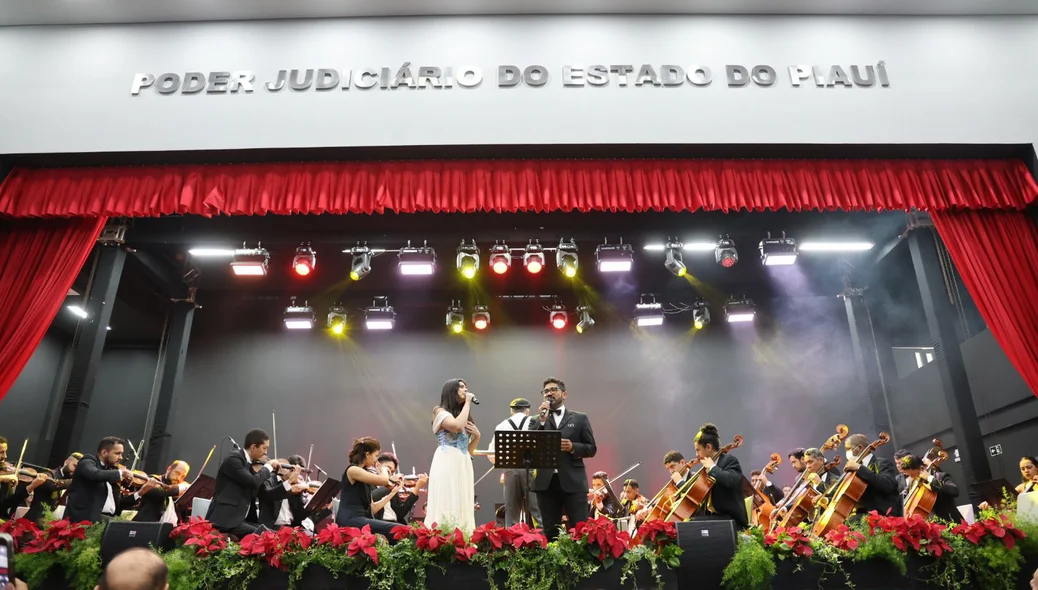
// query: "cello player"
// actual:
[[940, 482], [726, 497], [880, 474]]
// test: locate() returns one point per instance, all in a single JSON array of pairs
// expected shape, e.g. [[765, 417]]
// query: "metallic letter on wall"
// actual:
[[218, 82], [194, 82], [672, 75], [572, 76], [535, 75], [699, 75], [141, 81], [763, 75], [168, 83], [798, 74], [327, 79], [737, 76], [508, 76], [598, 75], [470, 76]]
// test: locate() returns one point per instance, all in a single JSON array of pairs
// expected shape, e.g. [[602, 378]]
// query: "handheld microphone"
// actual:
[[475, 400]]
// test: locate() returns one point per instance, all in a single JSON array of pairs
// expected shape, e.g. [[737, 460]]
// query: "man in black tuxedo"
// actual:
[[564, 489], [726, 499], [156, 498], [94, 493], [772, 493], [281, 497], [233, 509], [944, 506], [404, 497], [880, 474], [46, 491]]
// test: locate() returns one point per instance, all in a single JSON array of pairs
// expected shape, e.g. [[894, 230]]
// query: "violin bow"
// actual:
[[21, 456], [483, 476], [274, 423], [210, 456], [310, 457]]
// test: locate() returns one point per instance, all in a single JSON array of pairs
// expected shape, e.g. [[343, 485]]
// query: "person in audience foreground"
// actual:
[[135, 569]]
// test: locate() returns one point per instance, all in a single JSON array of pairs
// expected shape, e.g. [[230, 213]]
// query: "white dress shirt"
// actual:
[[285, 513], [109, 507], [559, 417]]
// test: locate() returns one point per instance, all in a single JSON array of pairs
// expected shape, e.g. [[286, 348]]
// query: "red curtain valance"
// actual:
[[518, 185]]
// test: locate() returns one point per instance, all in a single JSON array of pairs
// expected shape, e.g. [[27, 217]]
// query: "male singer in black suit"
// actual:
[[880, 474], [564, 489], [233, 509], [94, 493]]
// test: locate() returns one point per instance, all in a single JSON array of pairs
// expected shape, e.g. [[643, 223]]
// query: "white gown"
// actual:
[[452, 494]]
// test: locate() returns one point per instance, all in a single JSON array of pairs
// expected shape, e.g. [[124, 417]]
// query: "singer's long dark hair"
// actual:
[[449, 399]]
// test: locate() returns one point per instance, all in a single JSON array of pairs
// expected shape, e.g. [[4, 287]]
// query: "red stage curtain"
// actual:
[[527, 185], [39, 260], [996, 253]]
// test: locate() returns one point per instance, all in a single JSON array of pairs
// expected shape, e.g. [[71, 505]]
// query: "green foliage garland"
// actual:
[[752, 567]]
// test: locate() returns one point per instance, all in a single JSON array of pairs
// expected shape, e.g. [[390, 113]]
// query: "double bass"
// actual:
[[693, 494], [920, 497], [763, 507], [849, 490], [803, 498]]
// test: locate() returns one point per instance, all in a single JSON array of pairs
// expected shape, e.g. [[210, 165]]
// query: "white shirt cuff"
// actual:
[[287, 485]]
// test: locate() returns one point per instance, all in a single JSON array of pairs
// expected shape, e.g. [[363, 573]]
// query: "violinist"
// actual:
[[403, 497], [355, 506], [1028, 476], [94, 493], [233, 509], [631, 498], [726, 497], [157, 496], [878, 473], [601, 499], [767, 488], [8, 482], [281, 496], [46, 489], [940, 482]]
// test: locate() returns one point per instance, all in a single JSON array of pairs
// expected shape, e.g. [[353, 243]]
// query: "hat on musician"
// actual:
[[519, 403]]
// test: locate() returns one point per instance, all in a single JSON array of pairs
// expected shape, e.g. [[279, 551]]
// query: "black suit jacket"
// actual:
[[727, 494], [89, 490], [572, 475], [236, 490], [47, 494], [271, 494], [881, 494], [153, 504], [402, 508], [773, 493]]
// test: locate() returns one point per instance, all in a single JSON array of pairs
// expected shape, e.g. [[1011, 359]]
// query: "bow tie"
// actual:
[[557, 412]]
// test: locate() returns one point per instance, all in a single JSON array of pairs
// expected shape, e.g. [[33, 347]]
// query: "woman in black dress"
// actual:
[[355, 505]]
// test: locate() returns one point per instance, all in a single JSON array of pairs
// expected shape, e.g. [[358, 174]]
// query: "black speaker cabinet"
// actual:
[[709, 545], [120, 535]]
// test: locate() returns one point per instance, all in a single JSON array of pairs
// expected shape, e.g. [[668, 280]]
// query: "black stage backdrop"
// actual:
[[783, 383]]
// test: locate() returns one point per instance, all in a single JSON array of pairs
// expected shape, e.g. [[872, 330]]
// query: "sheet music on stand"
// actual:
[[527, 449], [203, 487], [328, 490]]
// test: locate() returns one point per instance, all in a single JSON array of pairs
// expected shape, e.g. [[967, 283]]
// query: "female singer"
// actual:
[[451, 491], [355, 505]]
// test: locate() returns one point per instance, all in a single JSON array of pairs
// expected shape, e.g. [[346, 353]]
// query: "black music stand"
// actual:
[[328, 490], [527, 449], [992, 491], [203, 487]]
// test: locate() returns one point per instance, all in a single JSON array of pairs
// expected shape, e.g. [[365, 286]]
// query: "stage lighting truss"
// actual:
[[725, 252], [480, 317], [700, 314], [337, 319], [500, 258], [778, 251], [614, 257], [380, 316], [557, 316], [533, 257], [739, 310], [455, 317], [648, 312], [250, 262], [586, 321], [674, 262], [305, 260], [566, 257], [299, 317], [468, 259], [361, 265], [416, 260]]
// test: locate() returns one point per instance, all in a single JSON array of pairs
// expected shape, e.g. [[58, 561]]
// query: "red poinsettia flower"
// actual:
[[337, 536], [465, 553], [602, 538], [490, 537], [58, 536], [844, 539], [522, 537], [790, 540], [915, 532], [200, 534], [22, 530], [401, 532], [1000, 528], [657, 533], [364, 543], [273, 545]]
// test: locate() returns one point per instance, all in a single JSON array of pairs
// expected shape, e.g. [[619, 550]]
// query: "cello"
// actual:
[[762, 513], [693, 494], [660, 505], [795, 507], [849, 490], [920, 497]]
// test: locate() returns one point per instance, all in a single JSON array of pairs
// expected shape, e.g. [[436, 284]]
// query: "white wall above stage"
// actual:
[[952, 80]]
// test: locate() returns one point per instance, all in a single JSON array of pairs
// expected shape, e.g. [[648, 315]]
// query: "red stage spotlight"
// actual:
[[533, 257], [534, 266], [500, 267], [558, 316], [305, 260], [481, 317]]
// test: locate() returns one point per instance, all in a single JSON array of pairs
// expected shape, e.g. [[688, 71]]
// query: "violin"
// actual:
[[800, 503], [24, 475], [920, 497], [693, 494], [849, 490], [761, 514]]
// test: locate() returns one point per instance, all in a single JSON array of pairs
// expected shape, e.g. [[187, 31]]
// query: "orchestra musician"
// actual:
[[46, 489], [1028, 476], [878, 473], [941, 483], [601, 499], [403, 497], [726, 497], [902, 478], [157, 497], [796, 459], [356, 508], [8, 483], [631, 498], [233, 509], [786, 491], [675, 462], [518, 497], [814, 462], [563, 490], [94, 492], [768, 488], [281, 496]]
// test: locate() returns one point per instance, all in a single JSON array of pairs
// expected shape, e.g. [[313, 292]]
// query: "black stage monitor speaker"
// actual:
[[120, 535], [708, 547]]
